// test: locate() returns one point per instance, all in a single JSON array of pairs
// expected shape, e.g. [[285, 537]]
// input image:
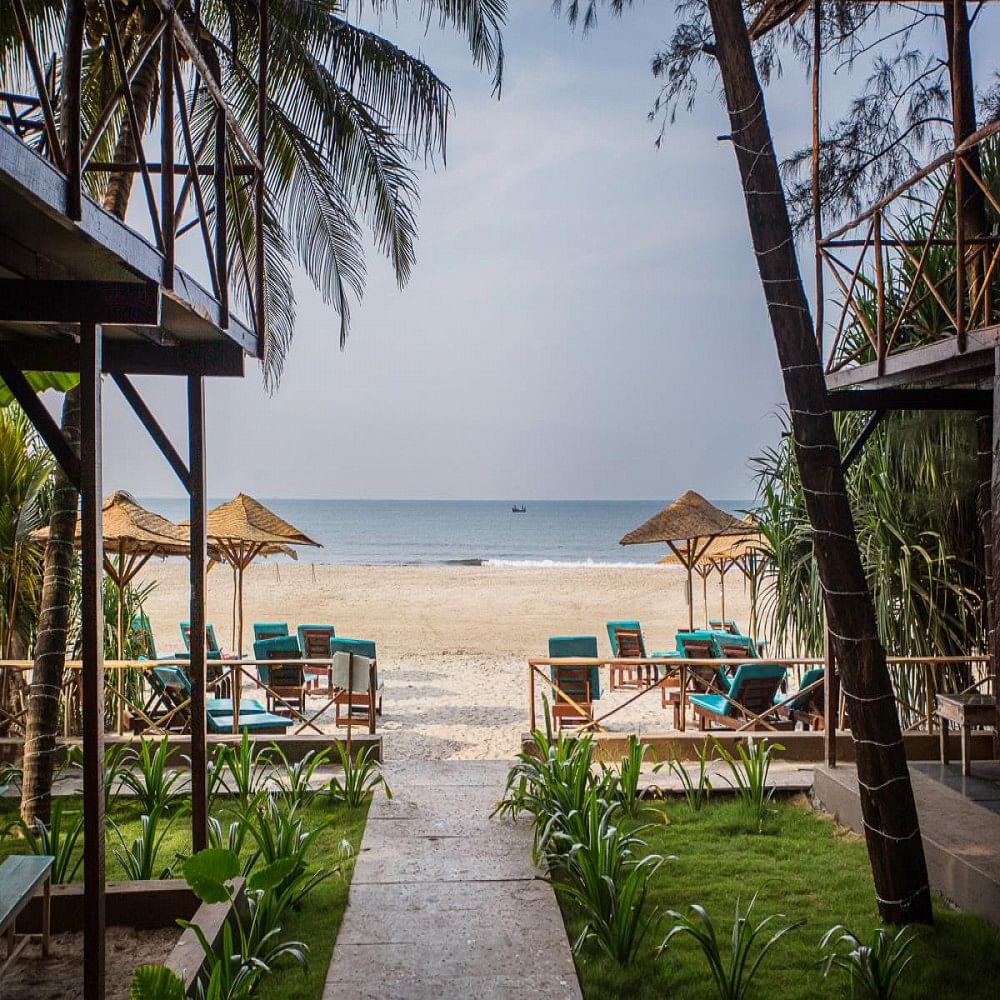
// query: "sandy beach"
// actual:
[[453, 641]]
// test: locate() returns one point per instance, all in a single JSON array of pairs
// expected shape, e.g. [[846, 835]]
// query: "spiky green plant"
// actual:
[[732, 972], [362, 774], [874, 970], [148, 774], [140, 857], [750, 769], [696, 790], [629, 774], [605, 874], [59, 839]]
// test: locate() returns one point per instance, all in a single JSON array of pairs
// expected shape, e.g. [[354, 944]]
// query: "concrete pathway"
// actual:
[[445, 902]]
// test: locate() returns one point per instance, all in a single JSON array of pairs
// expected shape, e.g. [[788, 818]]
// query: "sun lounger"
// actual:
[[577, 688], [701, 645], [258, 722], [143, 632], [354, 682], [21, 876], [284, 684], [808, 707], [314, 641], [724, 626], [361, 647], [269, 630], [734, 647], [751, 694]]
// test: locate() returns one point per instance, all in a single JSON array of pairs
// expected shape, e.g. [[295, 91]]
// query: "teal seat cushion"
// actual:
[[802, 701], [224, 706], [577, 646], [711, 703], [250, 723], [360, 647]]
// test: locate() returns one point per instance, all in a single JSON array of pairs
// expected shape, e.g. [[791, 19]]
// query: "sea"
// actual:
[[464, 532]]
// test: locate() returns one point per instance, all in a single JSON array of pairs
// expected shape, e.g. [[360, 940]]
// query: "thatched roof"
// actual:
[[127, 524], [725, 550], [690, 516], [244, 519], [774, 13]]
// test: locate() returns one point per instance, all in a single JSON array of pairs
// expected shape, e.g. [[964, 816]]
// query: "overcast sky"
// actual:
[[584, 320]]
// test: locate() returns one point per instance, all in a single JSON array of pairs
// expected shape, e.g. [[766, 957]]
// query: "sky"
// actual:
[[584, 320]]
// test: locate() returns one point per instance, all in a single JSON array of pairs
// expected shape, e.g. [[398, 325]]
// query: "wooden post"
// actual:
[[929, 692], [879, 296], [831, 697], [531, 697], [92, 627], [995, 543], [817, 206], [167, 156], [199, 748]]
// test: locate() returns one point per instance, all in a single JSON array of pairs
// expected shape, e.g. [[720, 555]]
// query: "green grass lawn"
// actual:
[[316, 922], [803, 866]]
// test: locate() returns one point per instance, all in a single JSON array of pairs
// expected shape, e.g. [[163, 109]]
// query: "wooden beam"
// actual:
[[854, 400], [92, 633], [862, 439], [199, 557], [133, 357], [40, 418], [940, 360], [135, 303], [153, 428]]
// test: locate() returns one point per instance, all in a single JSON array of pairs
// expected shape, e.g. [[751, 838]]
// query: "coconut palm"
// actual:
[[348, 112]]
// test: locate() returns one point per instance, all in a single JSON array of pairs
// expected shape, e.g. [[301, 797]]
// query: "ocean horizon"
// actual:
[[463, 532]]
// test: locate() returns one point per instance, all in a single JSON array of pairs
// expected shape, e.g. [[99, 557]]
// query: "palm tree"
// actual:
[[349, 114]]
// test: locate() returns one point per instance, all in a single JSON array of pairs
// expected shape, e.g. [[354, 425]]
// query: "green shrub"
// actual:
[[874, 970], [362, 775], [732, 974], [696, 792], [58, 839], [750, 769], [148, 775]]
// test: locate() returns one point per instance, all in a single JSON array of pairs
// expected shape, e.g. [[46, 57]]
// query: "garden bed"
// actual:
[[801, 865]]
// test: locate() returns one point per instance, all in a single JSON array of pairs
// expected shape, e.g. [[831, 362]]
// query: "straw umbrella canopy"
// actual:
[[243, 529], [134, 535], [688, 525]]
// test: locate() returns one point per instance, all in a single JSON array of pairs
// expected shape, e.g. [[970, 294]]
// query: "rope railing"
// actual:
[[674, 674]]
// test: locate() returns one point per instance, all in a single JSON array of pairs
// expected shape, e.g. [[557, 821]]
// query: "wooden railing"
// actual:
[[674, 674], [191, 91], [126, 705], [876, 316]]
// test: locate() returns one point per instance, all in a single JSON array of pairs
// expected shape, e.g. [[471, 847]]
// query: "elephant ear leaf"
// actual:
[[40, 381], [208, 871], [156, 982]]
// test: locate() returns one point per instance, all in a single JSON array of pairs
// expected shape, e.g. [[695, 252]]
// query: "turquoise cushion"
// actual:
[[269, 630], [224, 706], [577, 646], [249, 723], [802, 701], [743, 641], [712, 703], [360, 647]]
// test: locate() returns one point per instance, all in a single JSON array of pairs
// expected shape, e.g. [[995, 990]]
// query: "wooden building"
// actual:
[[81, 291]]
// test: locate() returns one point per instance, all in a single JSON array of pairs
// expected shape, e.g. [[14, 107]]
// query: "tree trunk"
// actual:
[[50, 648], [889, 811]]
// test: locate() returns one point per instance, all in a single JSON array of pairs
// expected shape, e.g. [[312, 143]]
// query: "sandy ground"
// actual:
[[58, 977], [453, 642]]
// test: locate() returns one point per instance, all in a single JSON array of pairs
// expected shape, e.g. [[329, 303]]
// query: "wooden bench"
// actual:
[[20, 877]]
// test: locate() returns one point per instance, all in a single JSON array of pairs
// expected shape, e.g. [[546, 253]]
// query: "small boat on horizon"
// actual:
[[519, 510]]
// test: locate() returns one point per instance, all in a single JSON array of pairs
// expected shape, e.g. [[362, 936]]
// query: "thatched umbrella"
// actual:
[[688, 526], [134, 535], [243, 529]]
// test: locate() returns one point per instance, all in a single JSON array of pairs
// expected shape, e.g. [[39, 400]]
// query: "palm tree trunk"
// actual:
[[50, 648], [889, 811]]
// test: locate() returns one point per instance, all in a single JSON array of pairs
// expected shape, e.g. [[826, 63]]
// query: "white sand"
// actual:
[[453, 642]]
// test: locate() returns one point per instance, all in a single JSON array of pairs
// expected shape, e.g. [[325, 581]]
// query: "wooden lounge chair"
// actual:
[[701, 645], [750, 695], [366, 648], [627, 642], [284, 684], [807, 708], [727, 625], [314, 642], [577, 688], [21, 876], [217, 677], [352, 677]]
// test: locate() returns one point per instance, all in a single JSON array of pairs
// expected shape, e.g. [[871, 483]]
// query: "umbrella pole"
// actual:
[[704, 596], [722, 596], [690, 587]]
